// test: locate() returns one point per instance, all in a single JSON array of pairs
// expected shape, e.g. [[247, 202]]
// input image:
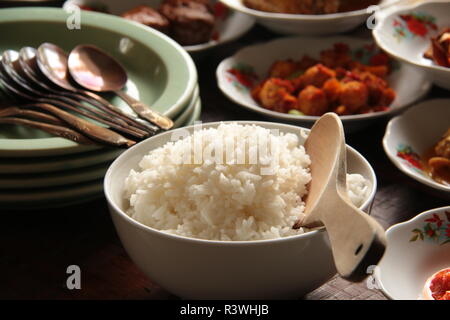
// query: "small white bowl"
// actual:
[[409, 85], [201, 269], [414, 133], [408, 41], [413, 254], [230, 25], [304, 24]]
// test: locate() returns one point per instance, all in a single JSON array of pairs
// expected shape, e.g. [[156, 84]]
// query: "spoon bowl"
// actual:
[[52, 62], [95, 70]]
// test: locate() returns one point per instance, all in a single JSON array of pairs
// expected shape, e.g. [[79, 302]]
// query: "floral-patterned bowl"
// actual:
[[236, 76], [410, 137], [416, 249], [309, 24], [229, 26], [405, 32]]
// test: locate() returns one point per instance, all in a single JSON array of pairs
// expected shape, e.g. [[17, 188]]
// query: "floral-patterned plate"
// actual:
[[410, 136], [405, 32], [237, 74], [416, 249]]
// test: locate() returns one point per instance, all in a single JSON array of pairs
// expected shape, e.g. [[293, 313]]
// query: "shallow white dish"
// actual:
[[415, 251], [230, 24], [407, 41], [415, 132], [209, 268], [258, 59], [303, 24]]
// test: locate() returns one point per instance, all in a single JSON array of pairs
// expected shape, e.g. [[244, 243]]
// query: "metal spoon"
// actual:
[[357, 240], [34, 115], [89, 129], [60, 118], [11, 62], [53, 63], [50, 128], [12, 67], [97, 71], [20, 88], [29, 66]]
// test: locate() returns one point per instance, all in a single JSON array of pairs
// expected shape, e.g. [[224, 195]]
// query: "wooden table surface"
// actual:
[[37, 247]]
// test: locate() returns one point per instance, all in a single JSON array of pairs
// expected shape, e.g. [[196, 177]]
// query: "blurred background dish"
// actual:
[[411, 138], [253, 63], [309, 24], [416, 249], [228, 24], [405, 32]]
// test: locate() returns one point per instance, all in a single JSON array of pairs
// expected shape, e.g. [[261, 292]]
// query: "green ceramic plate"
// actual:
[[9, 166], [20, 182], [68, 195], [184, 116], [161, 73]]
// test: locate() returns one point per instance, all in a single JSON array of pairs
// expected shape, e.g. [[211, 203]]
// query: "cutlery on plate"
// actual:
[[52, 61], [21, 90], [95, 70]]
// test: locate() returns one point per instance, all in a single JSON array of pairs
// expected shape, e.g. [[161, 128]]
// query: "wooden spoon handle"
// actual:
[[357, 240], [132, 120], [50, 128], [145, 111], [89, 129]]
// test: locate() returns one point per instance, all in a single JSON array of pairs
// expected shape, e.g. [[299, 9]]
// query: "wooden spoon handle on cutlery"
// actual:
[[145, 111]]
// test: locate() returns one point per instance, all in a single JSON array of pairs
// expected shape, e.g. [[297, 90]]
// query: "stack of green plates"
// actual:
[[41, 171]]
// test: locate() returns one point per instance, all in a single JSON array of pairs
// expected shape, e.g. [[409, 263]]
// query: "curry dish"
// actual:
[[334, 83]]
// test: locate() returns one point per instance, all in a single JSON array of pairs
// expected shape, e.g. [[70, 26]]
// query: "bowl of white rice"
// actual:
[[207, 211]]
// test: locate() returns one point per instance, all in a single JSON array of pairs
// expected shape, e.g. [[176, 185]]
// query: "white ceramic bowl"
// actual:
[[304, 24], [202, 269], [415, 251], [407, 41], [413, 133], [258, 59], [230, 25]]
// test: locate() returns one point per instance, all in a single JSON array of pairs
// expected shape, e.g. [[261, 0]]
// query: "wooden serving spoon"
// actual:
[[357, 240]]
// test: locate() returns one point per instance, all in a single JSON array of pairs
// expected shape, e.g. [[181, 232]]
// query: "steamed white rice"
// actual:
[[239, 201]]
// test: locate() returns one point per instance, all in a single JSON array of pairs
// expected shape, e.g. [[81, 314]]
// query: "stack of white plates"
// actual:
[[38, 170]]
